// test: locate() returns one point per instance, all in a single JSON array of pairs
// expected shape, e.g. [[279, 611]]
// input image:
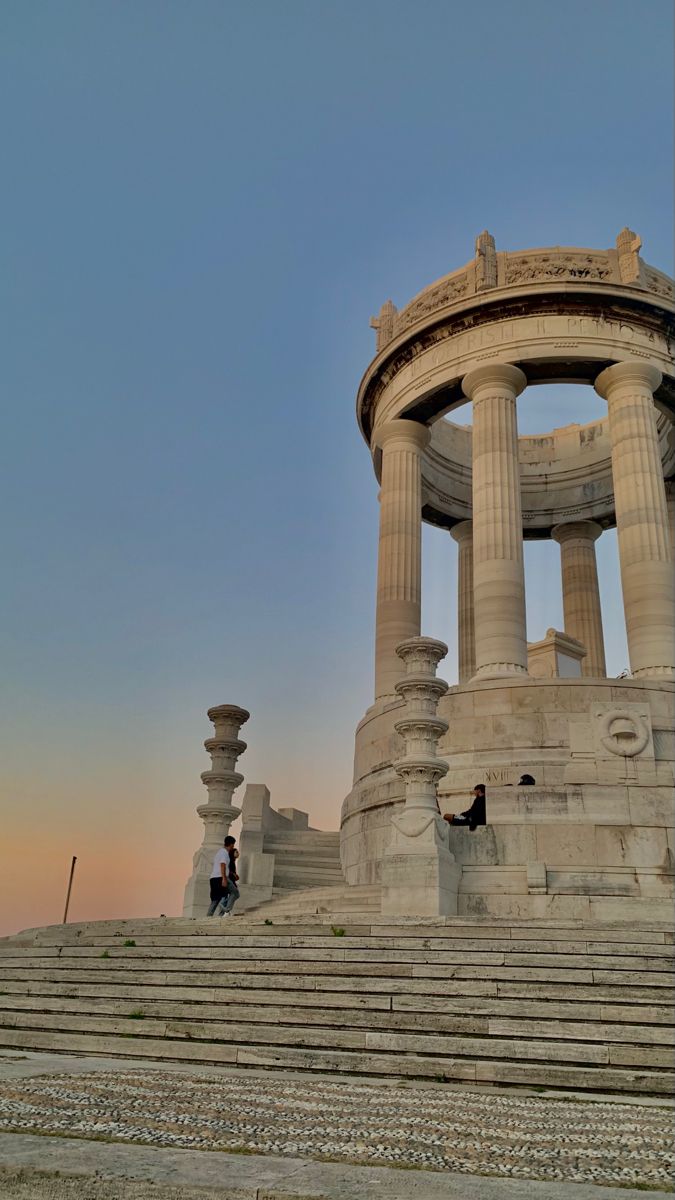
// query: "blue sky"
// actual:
[[203, 205]]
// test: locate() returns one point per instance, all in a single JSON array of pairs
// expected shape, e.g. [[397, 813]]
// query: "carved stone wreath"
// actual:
[[623, 733]]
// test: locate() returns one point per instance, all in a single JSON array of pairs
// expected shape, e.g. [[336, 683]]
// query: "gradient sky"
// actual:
[[203, 204]]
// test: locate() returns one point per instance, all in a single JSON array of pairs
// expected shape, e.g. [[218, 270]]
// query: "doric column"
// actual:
[[647, 574], [466, 643], [581, 593], [498, 577], [399, 564]]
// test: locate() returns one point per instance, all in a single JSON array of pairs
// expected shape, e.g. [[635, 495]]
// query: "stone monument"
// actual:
[[219, 812], [593, 838]]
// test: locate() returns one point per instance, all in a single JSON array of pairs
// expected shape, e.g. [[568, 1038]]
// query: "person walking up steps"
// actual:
[[220, 876], [231, 891]]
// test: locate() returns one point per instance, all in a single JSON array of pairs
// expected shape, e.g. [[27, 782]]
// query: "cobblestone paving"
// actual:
[[477, 1133]]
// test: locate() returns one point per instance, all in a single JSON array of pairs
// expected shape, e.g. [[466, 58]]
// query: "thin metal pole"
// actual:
[[70, 884]]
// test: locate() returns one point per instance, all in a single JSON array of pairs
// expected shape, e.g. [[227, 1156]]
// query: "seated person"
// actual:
[[473, 816]]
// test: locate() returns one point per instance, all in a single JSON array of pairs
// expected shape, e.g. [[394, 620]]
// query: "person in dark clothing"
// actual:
[[474, 816]]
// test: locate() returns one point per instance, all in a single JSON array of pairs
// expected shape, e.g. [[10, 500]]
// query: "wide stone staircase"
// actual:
[[550, 1005]]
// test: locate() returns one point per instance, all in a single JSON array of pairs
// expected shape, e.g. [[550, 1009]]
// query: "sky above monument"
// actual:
[[203, 206]]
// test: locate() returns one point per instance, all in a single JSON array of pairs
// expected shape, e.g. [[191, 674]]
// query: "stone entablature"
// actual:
[[491, 270], [558, 314]]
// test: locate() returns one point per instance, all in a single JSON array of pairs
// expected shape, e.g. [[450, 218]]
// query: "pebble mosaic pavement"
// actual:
[[522, 1137]]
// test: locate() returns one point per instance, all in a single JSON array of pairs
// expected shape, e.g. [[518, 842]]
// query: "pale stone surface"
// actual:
[[557, 656], [399, 565], [647, 568], [279, 850], [218, 813], [499, 582], [466, 637], [419, 874], [602, 752], [581, 591]]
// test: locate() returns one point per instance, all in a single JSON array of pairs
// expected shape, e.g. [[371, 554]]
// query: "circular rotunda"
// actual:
[[593, 833]]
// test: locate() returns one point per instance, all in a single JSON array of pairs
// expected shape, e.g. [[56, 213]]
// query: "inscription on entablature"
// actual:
[[485, 337]]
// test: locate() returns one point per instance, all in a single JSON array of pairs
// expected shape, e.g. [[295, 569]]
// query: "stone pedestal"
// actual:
[[399, 564], [218, 813], [498, 573], [581, 592], [419, 874], [647, 569], [466, 641], [557, 656]]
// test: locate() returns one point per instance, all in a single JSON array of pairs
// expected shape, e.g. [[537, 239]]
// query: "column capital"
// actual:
[[500, 374], [568, 531], [632, 371], [462, 531], [410, 433]]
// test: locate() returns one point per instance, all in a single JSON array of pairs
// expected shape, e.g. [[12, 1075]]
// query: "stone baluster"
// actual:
[[466, 641], [581, 592], [399, 566], [419, 874], [647, 569], [219, 812], [498, 573]]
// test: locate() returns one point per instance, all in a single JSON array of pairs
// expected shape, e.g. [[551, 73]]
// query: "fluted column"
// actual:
[[498, 576], [399, 565], [581, 593], [466, 644], [647, 569]]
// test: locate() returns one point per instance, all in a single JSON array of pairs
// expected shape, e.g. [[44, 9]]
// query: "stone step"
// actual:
[[594, 1077], [372, 925], [533, 1004], [242, 1032], [486, 1023], [453, 964], [18, 994]]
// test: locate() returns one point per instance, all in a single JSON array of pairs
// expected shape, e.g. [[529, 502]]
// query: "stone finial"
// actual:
[[628, 245], [220, 781], [385, 324], [486, 261]]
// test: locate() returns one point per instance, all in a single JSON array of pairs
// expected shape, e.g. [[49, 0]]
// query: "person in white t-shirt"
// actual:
[[219, 883]]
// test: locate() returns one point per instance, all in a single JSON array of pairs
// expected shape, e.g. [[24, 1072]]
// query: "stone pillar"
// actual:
[[581, 593], [399, 566], [419, 874], [218, 813], [466, 643], [647, 570], [498, 576]]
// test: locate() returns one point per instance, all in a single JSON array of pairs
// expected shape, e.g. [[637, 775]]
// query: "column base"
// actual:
[[500, 670], [420, 877]]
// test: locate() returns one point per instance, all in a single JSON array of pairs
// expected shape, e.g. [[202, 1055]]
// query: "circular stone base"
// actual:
[[597, 821]]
